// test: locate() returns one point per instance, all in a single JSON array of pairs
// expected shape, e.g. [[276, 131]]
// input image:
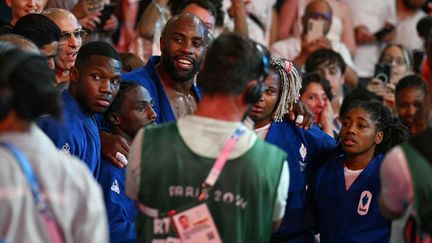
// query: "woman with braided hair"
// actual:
[[304, 147]]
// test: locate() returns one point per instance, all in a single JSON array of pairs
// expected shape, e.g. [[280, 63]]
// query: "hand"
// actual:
[[389, 36], [110, 145], [110, 24], [301, 109], [237, 5], [389, 96], [85, 7], [90, 21], [326, 119], [307, 47], [362, 35]]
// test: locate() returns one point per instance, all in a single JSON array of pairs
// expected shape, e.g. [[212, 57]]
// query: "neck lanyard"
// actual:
[[220, 162], [42, 206]]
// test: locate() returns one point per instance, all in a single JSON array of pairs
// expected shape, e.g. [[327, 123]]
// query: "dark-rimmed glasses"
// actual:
[[77, 34]]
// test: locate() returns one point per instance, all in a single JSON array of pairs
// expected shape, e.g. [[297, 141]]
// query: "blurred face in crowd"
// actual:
[[183, 47], [71, 39], [21, 8], [262, 111], [205, 15], [318, 10], [96, 82], [411, 106], [399, 67], [333, 74], [315, 98]]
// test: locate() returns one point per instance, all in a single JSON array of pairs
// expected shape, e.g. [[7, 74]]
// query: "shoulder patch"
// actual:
[[115, 187], [66, 149]]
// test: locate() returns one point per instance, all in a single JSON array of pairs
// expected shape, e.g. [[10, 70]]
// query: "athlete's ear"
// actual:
[[114, 119], [379, 137], [74, 74]]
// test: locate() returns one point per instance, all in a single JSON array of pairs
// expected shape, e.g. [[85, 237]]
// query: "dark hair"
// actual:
[[411, 81], [324, 56], [357, 94], [231, 62], [119, 99], [214, 6], [31, 82], [309, 78], [99, 48], [424, 29], [394, 131], [406, 54], [37, 28]]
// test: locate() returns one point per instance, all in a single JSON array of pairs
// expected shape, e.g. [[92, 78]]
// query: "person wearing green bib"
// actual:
[[168, 163]]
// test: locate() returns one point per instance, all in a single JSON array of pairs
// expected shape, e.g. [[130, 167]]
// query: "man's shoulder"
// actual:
[[143, 75]]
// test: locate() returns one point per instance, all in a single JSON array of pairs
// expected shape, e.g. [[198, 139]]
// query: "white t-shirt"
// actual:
[[290, 48], [373, 15], [350, 176], [74, 195], [406, 32]]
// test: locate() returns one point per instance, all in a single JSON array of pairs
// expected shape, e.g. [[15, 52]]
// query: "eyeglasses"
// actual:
[[399, 61], [77, 34], [318, 15]]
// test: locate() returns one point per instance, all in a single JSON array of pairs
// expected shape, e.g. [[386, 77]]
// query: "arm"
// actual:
[[300, 108], [281, 198], [287, 18], [110, 145], [348, 29], [130, 10], [274, 27], [326, 119], [240, 17], [351, 78]]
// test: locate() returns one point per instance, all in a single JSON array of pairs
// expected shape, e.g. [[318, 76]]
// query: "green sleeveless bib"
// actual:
[[421, 172], [241, 202]]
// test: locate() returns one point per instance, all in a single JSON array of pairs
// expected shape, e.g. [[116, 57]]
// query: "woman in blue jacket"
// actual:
[[346, 188], [305, 148]]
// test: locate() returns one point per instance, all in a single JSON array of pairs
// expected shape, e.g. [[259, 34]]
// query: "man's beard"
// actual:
[[168, 63]]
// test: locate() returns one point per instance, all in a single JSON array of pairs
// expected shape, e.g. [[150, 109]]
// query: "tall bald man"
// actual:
[[169, 77], [70, 42]]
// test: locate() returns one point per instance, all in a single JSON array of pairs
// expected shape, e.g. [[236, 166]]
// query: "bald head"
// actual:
[[70, 41], [60, 16], [318, 10], [177, 22]]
